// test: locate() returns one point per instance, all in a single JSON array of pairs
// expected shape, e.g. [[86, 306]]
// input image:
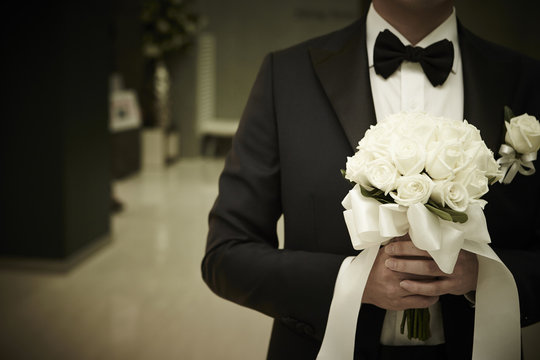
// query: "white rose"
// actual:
[[382, 174], [474, 180], [482, 158], [459, 131], [471, 133], [444, 159], [413, 189], [419, 127], [377, 141], [408, 156], [451, 194], [356, 168], [523, 134], [449, 130]]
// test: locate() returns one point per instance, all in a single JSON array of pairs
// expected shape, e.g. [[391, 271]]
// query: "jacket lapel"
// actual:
[[342, 68], [485, 89]]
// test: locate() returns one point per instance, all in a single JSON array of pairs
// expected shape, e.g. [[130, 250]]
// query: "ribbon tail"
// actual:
[[527, 168], [425, 230], [497, 329], [339, 336], [451, 244], [504, 167], [512, 172]]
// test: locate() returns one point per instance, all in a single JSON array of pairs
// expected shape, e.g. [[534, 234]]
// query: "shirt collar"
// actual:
[[447, 30]]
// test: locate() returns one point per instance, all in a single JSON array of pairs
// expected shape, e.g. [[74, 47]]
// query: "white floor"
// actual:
[[141, 296]]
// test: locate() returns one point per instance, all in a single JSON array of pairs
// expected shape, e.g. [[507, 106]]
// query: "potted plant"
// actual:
[[168, 26]]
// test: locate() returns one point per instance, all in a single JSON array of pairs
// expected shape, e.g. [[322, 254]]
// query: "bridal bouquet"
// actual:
[[414, 160], [425, 176]]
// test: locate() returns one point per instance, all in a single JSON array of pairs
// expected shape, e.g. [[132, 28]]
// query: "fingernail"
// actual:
[[389, 249], [390, 263]]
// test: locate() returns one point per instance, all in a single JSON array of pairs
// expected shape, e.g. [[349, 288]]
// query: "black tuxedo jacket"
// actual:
[[308, 109]]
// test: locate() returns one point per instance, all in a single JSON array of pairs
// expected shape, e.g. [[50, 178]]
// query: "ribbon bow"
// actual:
[[511, 163], [371, 224]]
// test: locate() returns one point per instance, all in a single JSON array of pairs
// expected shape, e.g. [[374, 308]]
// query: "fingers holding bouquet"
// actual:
[[421, 275], [383, 287]]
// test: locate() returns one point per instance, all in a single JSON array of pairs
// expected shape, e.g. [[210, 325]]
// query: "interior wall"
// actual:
[[54, 140], [245, 32]]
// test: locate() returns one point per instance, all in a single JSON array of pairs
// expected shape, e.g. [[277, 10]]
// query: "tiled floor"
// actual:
[[141, 297]]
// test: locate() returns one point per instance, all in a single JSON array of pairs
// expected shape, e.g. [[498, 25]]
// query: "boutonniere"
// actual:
[[522, 145]]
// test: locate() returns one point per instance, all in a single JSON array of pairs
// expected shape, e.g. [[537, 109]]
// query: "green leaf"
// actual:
[[492, 180], [377, 195], [508, 113], [440, 213], [343, 173], [459, 217], [446, 213]]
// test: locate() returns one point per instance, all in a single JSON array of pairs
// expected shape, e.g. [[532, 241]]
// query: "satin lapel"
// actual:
[[342, 68], [485, 91]]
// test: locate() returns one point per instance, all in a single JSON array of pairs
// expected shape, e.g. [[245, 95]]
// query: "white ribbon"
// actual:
[[511, 163], [497, 331]]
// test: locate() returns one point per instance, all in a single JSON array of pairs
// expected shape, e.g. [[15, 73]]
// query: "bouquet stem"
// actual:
[[417, 321]]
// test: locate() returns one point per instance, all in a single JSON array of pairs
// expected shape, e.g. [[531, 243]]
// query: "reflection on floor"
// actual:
[[141, 297]]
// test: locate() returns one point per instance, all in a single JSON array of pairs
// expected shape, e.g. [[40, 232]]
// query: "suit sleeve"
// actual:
[[242, 261]]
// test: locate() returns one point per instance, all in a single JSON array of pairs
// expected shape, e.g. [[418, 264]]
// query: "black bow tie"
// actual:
[[436, 60]]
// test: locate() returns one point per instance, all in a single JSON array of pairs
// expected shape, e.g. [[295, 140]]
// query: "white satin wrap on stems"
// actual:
[[497, 331]]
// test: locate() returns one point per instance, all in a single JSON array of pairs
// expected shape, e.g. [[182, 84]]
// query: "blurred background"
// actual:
[[116, 116]]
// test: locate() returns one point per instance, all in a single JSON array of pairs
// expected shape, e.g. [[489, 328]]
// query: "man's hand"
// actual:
[[383, 287], [406, 258], [405, 277]]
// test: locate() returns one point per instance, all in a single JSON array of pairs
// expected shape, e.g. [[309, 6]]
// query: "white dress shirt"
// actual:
[[409, 89]]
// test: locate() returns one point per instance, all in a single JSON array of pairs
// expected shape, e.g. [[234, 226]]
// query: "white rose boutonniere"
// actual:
[[523, 133], [522, 145]]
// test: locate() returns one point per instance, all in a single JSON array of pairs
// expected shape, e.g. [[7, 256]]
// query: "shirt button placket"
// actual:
[[412, 87]]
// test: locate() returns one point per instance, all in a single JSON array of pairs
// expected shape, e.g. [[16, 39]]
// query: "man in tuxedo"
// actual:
[[308, 109]]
